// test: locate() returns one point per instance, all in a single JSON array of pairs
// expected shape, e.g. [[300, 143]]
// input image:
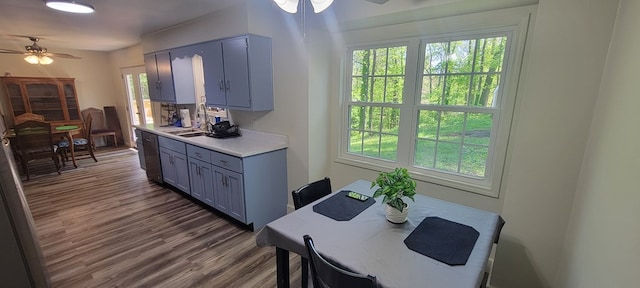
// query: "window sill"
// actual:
[[419, 175]]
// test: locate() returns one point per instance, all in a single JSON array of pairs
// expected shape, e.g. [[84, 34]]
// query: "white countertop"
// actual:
[[250, 143]]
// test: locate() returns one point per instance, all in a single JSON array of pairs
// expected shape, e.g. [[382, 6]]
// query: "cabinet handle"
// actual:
[[228, 86], [225, 163], [198, 154], [221, 84], [198, 171]]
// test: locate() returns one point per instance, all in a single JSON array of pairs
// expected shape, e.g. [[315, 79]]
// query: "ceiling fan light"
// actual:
[[45, 60], [290, 6], [320, 5], [70, 6], [32, 59]]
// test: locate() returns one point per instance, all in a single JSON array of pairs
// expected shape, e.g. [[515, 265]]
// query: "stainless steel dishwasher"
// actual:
[[152, 156]]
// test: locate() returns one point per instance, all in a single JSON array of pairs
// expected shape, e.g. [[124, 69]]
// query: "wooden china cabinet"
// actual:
[[54, 98]]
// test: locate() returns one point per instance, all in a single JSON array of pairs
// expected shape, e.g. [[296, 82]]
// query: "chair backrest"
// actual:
[[311, 192], [328, 275], [34, 137], [97, 115], [88, 125], [28, 116]]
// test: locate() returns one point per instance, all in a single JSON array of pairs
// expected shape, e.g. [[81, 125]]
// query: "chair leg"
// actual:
[[25, 166], [305, 271], [88, 147], [55, 158]]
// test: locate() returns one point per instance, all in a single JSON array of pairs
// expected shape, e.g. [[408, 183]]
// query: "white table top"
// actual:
[[369, 244], [250, 143]]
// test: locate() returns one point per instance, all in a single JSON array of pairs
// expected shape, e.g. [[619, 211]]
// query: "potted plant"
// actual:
[[395, 185]]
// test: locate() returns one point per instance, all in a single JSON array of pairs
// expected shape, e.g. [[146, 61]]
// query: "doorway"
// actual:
[[138, 102]]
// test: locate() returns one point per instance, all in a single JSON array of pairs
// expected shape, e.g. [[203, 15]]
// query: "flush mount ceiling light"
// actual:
[[70, 6], [291, 6]]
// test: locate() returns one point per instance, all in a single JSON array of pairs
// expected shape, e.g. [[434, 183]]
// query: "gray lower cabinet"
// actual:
[[173, 159], [201, 174], [252, 190], [140, 148]]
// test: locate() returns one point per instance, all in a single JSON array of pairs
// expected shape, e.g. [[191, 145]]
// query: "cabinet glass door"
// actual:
[[45, 101], [71, 101], [16, 98]]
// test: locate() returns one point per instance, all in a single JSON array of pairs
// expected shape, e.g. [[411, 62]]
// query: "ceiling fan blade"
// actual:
[[377, 1], [9, 51], [63, 55]]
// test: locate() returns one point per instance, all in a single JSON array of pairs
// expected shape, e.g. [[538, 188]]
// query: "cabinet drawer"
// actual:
[[226, 161], [199, 153], [171, 144]]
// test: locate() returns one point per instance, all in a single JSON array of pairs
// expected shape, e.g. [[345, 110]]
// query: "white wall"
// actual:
[[603, 242], [567, 55]]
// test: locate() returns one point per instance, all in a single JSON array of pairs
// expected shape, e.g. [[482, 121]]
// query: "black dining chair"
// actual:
[[303, 196], [328, 275]]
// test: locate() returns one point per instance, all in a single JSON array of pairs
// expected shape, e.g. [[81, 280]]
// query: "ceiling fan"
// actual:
[[36, 54]]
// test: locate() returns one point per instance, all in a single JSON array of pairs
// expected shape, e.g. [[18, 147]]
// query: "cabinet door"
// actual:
[[208, 189], [195, 174], [181, 167], [152, 77], [220, 196], [71, 101], [213, 68], [45, 100], [16, 99], [236, 195], [236, 72], [165, 77], [168, 170]]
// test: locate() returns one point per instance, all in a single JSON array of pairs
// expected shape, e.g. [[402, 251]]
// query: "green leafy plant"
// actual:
[[394, 186]]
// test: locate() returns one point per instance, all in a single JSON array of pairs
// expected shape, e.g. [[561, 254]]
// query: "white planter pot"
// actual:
[[395, 216]]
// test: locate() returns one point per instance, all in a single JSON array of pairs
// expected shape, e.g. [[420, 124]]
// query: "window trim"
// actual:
[[514, 28]]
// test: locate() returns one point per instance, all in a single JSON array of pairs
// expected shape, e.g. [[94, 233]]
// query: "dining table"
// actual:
[[441, 245], [65, 131]]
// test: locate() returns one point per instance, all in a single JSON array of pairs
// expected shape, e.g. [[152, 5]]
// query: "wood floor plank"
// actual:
[[105, 225]]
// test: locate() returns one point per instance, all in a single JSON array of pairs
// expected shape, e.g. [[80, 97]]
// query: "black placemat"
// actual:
[[342, 208], [443, 240]]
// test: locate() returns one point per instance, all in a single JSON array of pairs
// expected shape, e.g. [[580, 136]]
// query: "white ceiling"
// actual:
[[115, 24]]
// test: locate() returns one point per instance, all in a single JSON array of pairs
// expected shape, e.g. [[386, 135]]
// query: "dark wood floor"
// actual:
[[104, 225]]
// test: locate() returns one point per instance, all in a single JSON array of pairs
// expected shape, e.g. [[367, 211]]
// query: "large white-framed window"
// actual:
[[440, 105]]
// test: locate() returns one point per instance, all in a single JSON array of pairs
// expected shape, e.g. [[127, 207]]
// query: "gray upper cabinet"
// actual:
[[170, 78], [238, 73]]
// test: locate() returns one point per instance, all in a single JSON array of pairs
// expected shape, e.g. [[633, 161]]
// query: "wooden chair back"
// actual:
[[34, 141], [26, 117]]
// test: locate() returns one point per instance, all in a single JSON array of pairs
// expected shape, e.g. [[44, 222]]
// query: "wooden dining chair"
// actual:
[[28, 116], [303, 196], [83, 143], [34, 141], [326, 274], [99, 127]]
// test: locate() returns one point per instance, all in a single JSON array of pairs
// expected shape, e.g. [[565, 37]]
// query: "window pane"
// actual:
[[371, 144], [428, 124], [461, 56], [435, 57], [425, 153], [474, 161], [456, 90], [490, 54], [478, 129], [355, 117], [432, 88], [451, 127], [355, 142], [378, 75], [389, 147], [447, 156], [484, 90], [391, 120]]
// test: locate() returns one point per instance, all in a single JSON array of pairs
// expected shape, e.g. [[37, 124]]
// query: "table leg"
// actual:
[[282, 266], [72, 148]]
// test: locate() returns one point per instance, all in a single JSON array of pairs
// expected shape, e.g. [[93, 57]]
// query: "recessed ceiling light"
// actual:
[[70, 6]]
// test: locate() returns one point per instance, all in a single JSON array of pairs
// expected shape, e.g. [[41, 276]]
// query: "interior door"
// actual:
[[139, 103]]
